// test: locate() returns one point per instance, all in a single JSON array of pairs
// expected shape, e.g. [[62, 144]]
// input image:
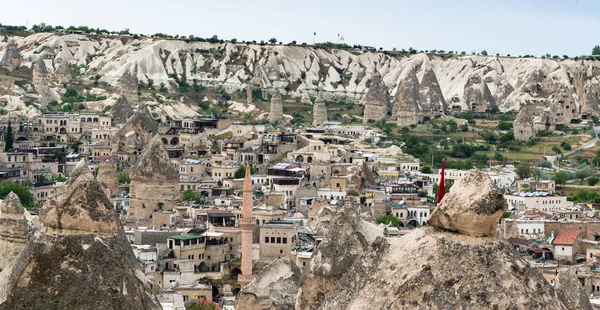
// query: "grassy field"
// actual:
[[542, 148]]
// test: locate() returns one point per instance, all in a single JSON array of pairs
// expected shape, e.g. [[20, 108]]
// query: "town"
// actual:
[[214, 205]]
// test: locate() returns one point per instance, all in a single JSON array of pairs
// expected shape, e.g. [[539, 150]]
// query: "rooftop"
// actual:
[[567, 236], [184, 237]]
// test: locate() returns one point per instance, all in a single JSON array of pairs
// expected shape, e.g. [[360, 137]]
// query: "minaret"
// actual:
[[247, 223]]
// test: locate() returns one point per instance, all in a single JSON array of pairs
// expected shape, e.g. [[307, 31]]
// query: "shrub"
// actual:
[[565, 145], [592, 181], [544, 164], [389, 219]]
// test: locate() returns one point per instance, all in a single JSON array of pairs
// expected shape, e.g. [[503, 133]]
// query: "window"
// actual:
[[563, 248], [278, 239], [284, 240], [266, 239], [208, 256], [272, 239], [280, 251], [303, 264]]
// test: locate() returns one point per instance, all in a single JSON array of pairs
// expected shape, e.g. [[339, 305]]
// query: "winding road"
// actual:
[[587, 145]]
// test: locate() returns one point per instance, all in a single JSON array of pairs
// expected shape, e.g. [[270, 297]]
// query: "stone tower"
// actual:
[[319, 111], [248, 95], [247, 223], [276, 114]]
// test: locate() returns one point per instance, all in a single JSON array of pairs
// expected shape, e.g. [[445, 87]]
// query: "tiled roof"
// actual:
[[567, 236]]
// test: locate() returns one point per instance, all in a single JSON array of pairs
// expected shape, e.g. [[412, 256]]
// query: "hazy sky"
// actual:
[[500, 26]]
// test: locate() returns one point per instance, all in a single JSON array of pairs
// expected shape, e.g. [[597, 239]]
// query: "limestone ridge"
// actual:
[[473, 206], [377, 100], [428, 268], [319, 111], [275, 288]]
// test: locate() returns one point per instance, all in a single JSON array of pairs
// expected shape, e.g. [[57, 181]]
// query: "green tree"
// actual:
[[596, 50], [8, 138], [389, 219], [484, 53], [592, 181], [498, 156], [272, 40], [426, 169], [504, 125], [75, 146], [556, 149], [584, 172], [524, 170], [22, 190], [560, 178], [71, 92], [124, 178], [241, 172], [162, 88], [191, 195]]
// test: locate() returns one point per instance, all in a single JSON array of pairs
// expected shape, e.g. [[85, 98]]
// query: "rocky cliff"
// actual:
[[79, 257], [422, 82], [430, 267]]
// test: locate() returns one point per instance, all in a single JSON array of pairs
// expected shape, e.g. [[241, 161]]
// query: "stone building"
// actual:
[[154, 183], [319, 111], [276, 112], [523, 126], [277, 238]]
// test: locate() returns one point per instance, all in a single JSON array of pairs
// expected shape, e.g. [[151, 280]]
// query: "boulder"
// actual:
[[275, 288], [570, 292], [473, 206]]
